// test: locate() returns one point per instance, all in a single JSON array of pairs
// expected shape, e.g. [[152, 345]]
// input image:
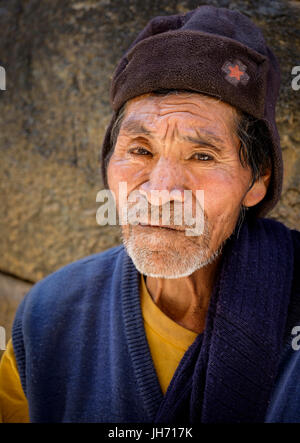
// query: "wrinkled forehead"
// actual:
[[185, 111]]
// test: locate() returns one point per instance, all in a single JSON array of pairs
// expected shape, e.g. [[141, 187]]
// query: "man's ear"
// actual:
[[258, 190]]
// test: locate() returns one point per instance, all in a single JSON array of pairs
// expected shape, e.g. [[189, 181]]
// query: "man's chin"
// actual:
[[155, 260]]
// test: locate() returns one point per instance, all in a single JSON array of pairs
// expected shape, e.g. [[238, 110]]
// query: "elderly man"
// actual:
[[170, 327]]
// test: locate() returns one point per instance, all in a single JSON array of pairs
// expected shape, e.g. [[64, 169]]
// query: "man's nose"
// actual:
[[166, 176]]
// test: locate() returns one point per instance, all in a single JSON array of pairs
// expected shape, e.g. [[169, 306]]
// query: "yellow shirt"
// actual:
[[13, 403], [167, 340]]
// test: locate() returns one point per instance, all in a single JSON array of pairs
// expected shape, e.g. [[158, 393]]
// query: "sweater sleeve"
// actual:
[[13, 403]]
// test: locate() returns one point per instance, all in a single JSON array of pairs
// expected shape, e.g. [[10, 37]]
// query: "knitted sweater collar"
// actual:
[[228, 373]]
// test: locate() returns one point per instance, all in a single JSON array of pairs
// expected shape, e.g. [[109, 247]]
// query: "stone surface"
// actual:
[[59, 58]]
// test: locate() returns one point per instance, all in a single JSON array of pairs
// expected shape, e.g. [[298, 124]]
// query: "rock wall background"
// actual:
[[59, 57]]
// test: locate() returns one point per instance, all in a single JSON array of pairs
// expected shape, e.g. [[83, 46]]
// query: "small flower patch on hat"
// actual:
[[236, 72]]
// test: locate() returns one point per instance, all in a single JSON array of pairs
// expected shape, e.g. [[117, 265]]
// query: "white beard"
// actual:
[[158, 256]]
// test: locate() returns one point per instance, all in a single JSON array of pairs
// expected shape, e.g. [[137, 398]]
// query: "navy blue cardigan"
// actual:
[[82, 352]]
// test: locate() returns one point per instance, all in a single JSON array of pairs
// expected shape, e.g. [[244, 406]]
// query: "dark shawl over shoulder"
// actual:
[[227, 375]]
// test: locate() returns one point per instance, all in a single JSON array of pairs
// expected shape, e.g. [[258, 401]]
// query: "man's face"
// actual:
[[179, 142]]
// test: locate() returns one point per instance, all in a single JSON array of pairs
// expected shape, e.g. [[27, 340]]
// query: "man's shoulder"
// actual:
[[273, 223], [74, 280], [57, 309], [296, 239], [104, 259], [83, 268]]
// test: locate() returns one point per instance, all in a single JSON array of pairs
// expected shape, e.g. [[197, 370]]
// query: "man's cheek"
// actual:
[[222, 194], [124, 170], [115, 175], [222, 208]]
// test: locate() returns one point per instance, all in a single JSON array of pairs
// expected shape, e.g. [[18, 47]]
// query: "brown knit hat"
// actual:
[[214, 51]]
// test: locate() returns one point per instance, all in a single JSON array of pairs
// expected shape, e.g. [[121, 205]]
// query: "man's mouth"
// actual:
[[168, 227]]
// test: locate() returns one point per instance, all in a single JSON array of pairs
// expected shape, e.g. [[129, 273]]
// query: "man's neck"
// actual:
[[185, 300]]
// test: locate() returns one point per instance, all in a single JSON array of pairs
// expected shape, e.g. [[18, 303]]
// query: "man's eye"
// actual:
[[202, 156], [139, 151]]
